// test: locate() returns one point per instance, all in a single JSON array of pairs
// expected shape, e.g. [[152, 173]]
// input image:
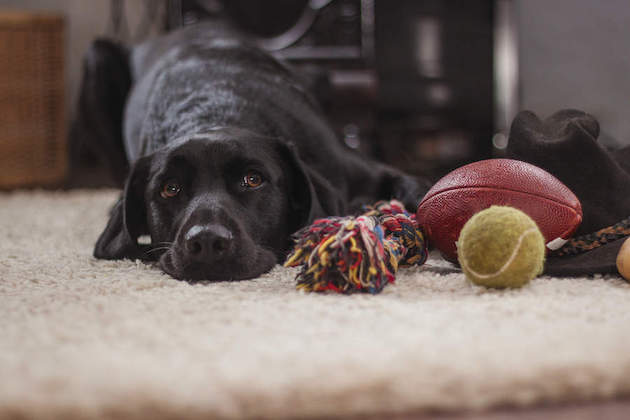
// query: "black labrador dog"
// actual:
[[229, 154]]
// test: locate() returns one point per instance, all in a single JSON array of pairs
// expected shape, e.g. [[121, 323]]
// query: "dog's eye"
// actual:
[[252, 179], [170, 189]]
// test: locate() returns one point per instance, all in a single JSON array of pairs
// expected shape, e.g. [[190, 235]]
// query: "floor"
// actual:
[[94, 175], [604, 410]]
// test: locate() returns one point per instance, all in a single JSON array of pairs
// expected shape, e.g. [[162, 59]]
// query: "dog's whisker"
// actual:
[[160, 248]]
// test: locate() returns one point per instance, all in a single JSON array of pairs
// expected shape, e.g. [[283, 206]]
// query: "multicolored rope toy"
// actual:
[[358, 254]]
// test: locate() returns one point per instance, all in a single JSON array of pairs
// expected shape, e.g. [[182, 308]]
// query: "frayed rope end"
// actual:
[[357, 254]]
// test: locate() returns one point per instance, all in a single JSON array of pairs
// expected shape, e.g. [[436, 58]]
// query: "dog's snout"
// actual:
[[209, 243]]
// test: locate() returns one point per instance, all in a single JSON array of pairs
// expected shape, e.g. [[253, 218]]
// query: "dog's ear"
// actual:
[[127, 219], [311, 196]]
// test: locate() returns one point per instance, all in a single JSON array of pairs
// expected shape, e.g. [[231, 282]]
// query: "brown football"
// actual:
[[505, 182]]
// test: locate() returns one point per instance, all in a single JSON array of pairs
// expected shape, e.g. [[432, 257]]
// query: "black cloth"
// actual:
[[566, 146]]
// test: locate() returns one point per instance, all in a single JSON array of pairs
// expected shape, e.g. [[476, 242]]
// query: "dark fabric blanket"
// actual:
[[565, 144]]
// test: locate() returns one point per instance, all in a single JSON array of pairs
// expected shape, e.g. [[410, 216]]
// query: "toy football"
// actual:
[[504, 182]]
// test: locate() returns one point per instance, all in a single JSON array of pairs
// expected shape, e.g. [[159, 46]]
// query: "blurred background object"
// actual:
[[425, 85], [129, 21], [576, 53], [32, 125]]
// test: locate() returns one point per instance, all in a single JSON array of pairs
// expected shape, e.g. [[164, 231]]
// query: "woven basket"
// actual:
[[32, 121]]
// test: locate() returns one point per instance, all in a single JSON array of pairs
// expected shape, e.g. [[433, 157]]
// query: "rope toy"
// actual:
[[357, 254]]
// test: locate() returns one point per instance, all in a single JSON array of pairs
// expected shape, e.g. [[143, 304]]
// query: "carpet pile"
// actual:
[[83, 338]]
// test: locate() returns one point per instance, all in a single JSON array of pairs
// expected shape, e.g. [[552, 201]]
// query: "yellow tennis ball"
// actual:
[[501, 247]]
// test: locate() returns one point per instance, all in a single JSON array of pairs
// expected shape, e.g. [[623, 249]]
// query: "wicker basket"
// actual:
[[32, 122]]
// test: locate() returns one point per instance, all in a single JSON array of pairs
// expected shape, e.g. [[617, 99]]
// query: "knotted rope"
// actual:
[[350, 254]]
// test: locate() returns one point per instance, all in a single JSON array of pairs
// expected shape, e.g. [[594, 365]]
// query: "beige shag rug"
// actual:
[[82, 338]]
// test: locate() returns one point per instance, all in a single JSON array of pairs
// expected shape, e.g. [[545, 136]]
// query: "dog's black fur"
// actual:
[[230, 154]]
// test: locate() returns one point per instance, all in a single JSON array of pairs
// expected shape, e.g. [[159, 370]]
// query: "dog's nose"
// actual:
[[210, 243]]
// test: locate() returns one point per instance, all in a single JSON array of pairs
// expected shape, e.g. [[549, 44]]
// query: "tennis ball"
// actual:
[[501, 247]]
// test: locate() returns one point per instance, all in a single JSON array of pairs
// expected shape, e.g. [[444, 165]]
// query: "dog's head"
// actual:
[[217, 206]]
